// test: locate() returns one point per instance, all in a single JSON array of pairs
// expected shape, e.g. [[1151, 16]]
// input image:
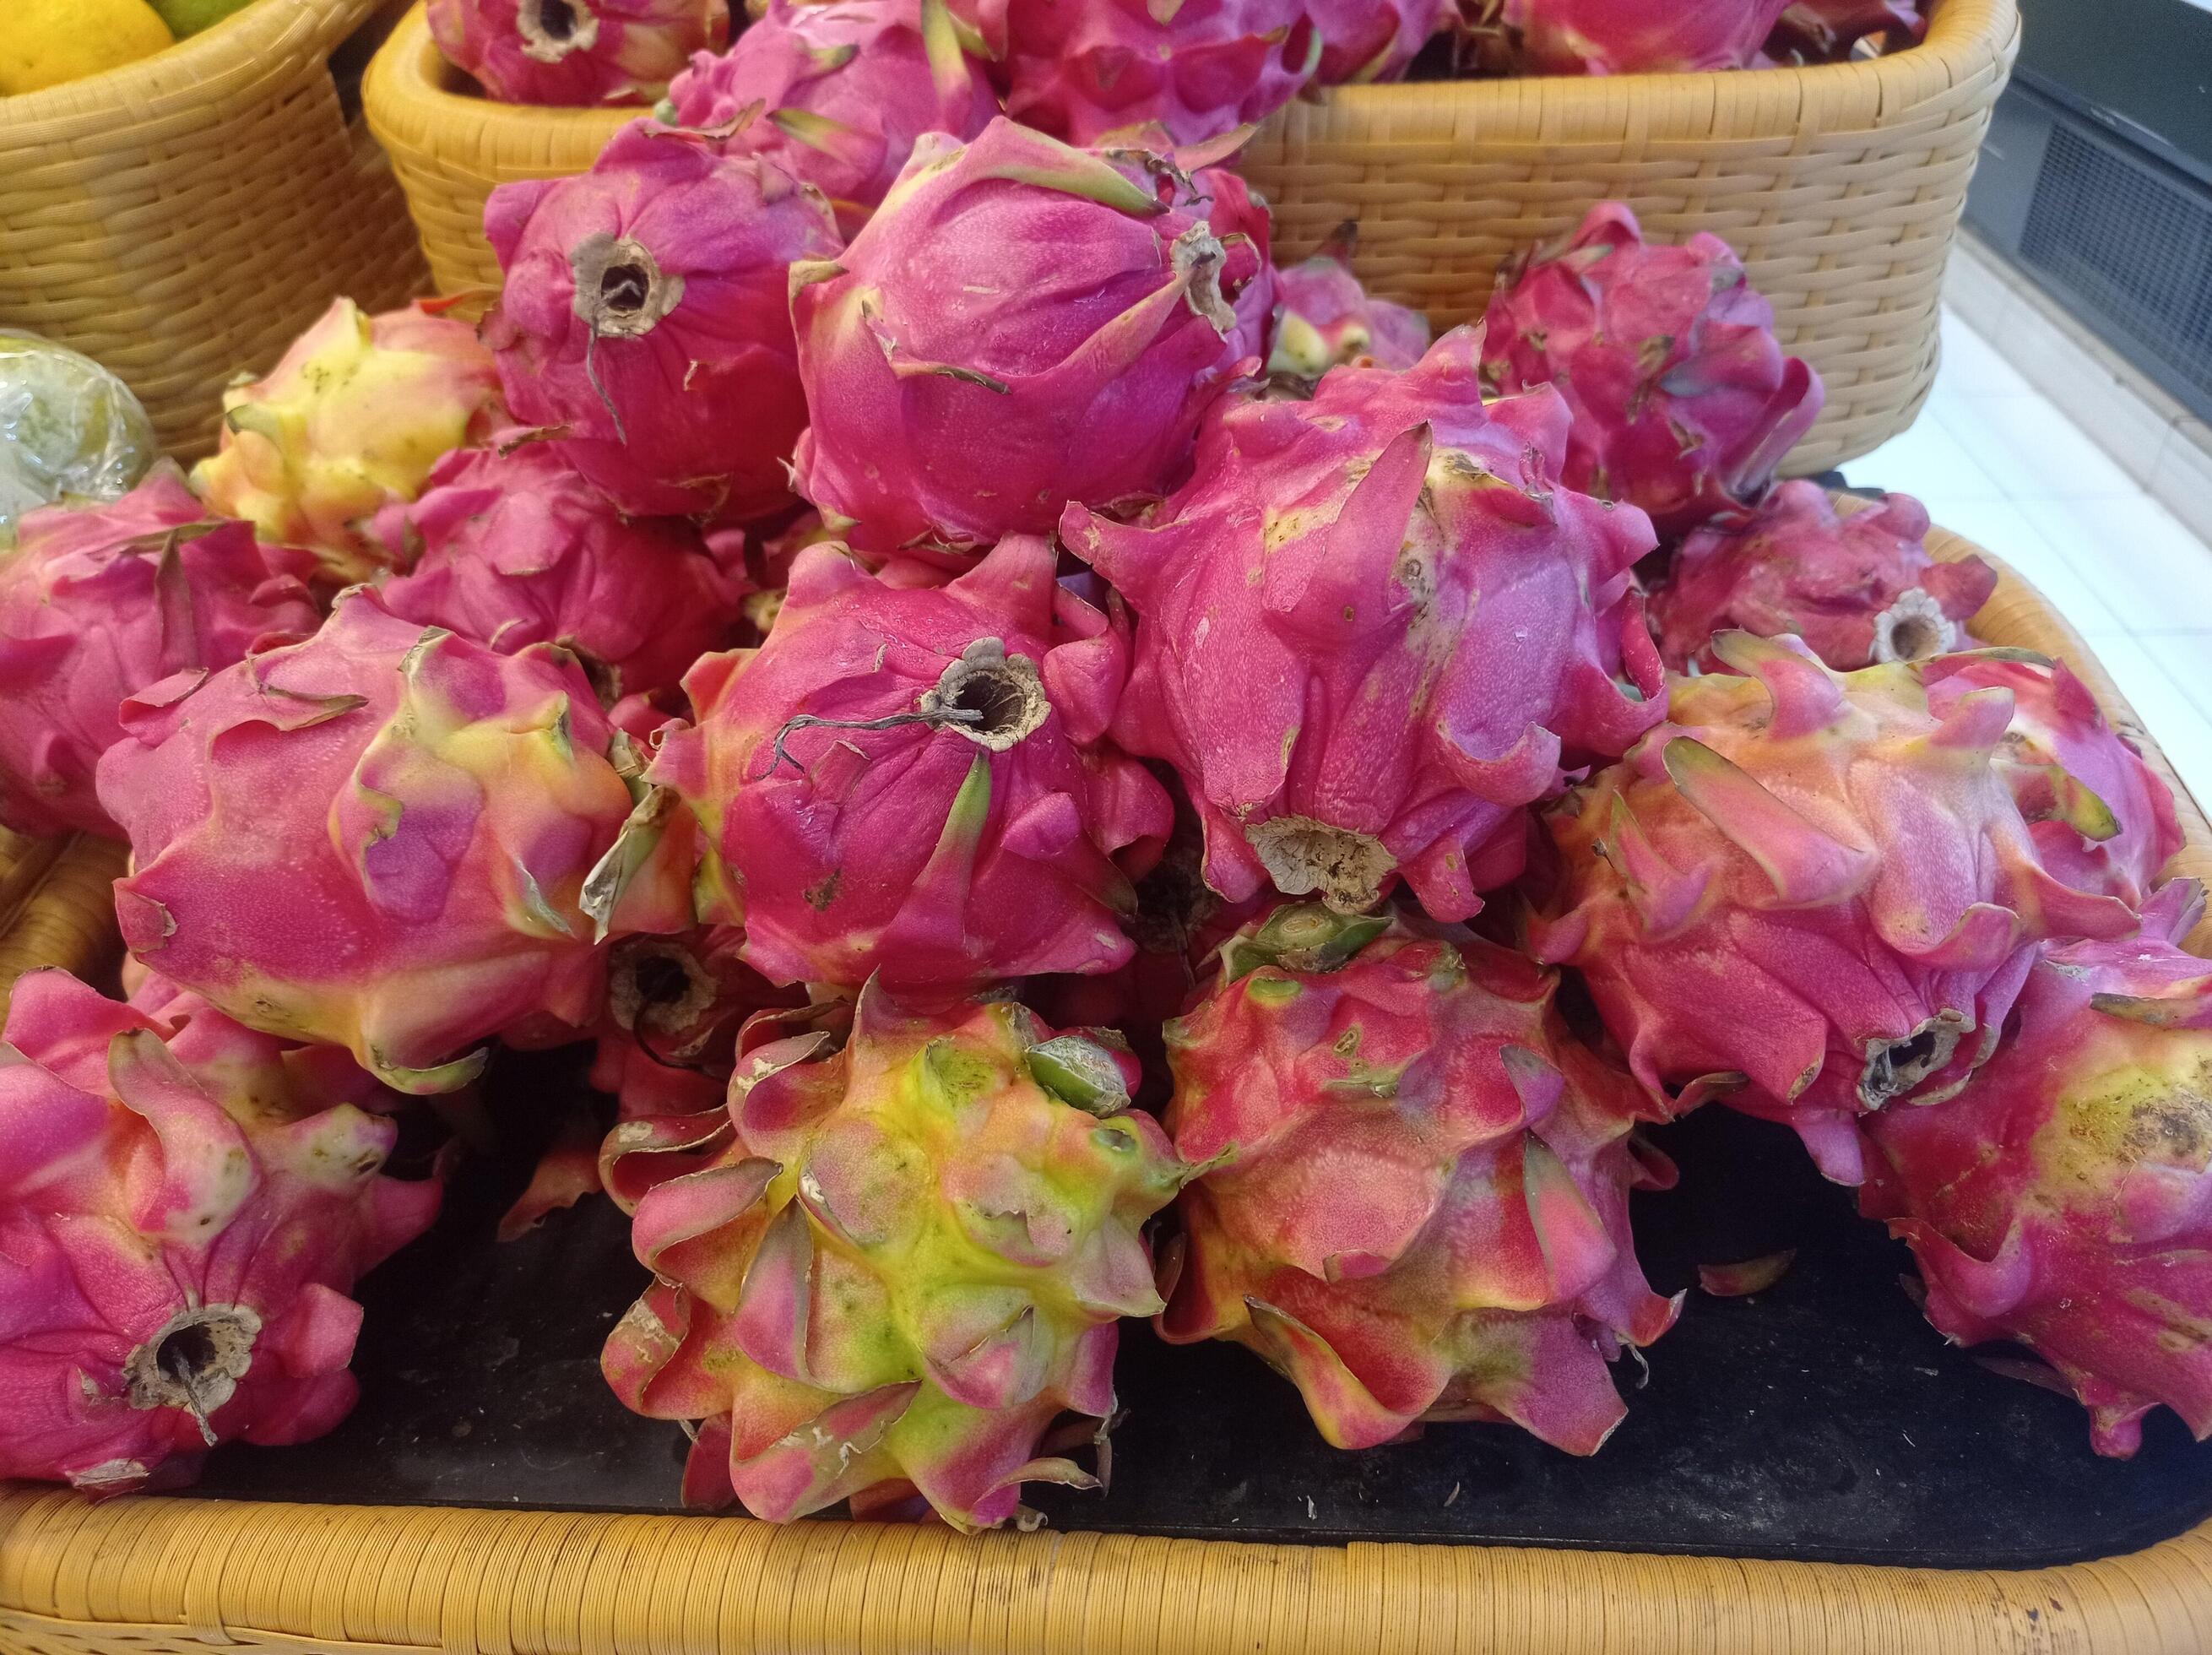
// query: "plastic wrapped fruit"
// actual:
[[67, 426]]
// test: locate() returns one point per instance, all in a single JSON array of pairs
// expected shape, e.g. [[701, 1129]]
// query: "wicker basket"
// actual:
[[451, 146], [1841, 187], [151, 1576], [182, 217]]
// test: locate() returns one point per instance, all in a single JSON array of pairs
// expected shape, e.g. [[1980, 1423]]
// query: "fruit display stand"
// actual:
[[181, 218], [148, 1574]]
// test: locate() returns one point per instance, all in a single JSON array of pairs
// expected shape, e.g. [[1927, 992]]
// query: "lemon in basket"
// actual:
[[46, 42]]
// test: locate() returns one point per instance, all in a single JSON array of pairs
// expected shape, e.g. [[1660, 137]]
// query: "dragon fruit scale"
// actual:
[[1364, 41], [1197, 69], [1811, 892], [1635, 37], [1020, 325], [1413, 1199], [512, 547], [644, 315], [1369, 628], [349, 421], [837, 92], [910, 778], [99, 601], [580, 53], [1683, 402], [430, 812], [1858, 589], [1324, 319], [901, 1260], [182, 1216], [2060, 1200]]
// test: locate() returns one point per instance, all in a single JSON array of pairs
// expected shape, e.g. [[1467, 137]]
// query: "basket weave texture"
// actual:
[[182, 217], [154, 1576]]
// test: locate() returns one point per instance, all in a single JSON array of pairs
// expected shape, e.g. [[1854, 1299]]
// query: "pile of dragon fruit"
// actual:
[[1053, 771]]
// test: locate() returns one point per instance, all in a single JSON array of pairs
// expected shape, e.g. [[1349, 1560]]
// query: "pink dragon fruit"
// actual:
[[1683, 402], [2060, 1200], [1020, 325], [1414, 1193], [1825, 31], [909, 777], [644, 314], [1810, 891], [2102, 820], [1368, 40], [1324, 319], [1858, 590], [349, 421], [576, 52], [895, 1261], [838, 91], [515, 547], [1370, 626], [96, 602], [1198, 68], [436, 812], [182, 1215], [1635, 37]]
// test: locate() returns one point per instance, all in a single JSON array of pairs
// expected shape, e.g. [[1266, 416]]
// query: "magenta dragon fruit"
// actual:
[[2060, 1200], [644, 314], [1324, 319], [1369, 628], [1635, 37], [1683, 402], [1021, 325], [1414, 1194], [512, 547], [433, 812], [182, 1216], [1825, 31], [909, 778], [2103, 820], [99, 601], [1368, 40], [896, 1263], [1858, 590], [1197, 69], [1809, 891], [837, 91], [582, 53]]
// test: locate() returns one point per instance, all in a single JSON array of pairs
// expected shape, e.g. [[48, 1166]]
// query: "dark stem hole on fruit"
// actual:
[[997, 700], [661, 981], [1908, 1056], [622, 287], [556, 19], [187, 1356], [1915, 639]]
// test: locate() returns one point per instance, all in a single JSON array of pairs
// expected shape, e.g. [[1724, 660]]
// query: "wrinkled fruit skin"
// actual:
[[1364, 41], [515, 547], [1197, 69], [1414, 1193], [1640, 37], [347, 423], [940, 854], [677, 384], [844, 87], [1858, 590], [1324, 319], [1021, 324], [1368, 628], [183, 1209], [2102, 820], [97, 602], [1683, 402], [1812, 892], [580, 53], [2061, 1199], [433, 808], [891, 1263]]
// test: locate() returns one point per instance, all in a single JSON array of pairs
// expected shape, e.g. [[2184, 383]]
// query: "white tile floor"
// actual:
[[1994, 460]]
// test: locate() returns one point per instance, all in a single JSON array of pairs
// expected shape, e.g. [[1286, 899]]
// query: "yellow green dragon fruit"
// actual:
[[893, 1263]]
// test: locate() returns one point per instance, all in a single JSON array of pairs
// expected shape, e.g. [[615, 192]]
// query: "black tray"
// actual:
[[1822, 1419]]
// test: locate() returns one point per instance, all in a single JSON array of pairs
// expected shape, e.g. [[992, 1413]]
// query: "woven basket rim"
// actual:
[[178, 77]]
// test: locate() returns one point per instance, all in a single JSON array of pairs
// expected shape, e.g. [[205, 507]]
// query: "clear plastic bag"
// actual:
[[67, 427]]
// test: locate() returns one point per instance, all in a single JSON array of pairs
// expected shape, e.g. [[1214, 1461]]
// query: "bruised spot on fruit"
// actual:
[[1305, 857], [195, 1362]]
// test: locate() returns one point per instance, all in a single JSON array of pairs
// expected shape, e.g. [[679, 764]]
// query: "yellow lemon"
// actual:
[[46, 42]]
